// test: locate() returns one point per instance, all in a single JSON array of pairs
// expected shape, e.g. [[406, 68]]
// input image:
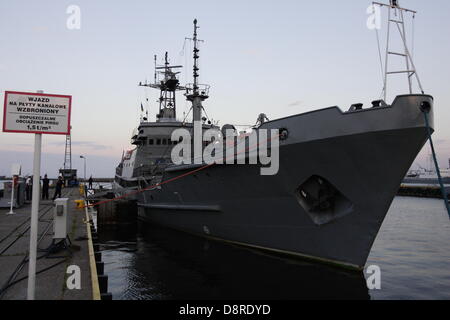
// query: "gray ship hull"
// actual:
[[361, 156]]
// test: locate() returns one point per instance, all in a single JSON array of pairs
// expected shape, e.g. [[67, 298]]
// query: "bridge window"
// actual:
[[150, 141], [158, 141]]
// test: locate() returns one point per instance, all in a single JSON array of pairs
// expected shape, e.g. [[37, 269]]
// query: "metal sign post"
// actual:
[[34, 216], [36, 113]]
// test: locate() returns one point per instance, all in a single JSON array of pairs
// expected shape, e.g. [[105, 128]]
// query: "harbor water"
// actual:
[[145, 261]]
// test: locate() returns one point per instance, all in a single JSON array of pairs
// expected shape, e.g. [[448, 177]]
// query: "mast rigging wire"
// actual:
[[413, 34], [381, 62]]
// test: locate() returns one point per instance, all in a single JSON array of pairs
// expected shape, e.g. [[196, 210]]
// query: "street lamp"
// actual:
[[83, 157]]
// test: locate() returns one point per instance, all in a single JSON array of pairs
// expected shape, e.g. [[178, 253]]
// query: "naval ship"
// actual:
[[339, 171]]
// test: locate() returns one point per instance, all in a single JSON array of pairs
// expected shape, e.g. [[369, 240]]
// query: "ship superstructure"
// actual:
[[152, 140]]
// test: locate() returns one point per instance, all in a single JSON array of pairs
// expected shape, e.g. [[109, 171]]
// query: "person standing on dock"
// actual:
[[29, 188], [90, 182], [45, 186], [58, 188]]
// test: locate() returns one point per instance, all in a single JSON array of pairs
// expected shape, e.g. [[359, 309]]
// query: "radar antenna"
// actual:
[[168, 84]]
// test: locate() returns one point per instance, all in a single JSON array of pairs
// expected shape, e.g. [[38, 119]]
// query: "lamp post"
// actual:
[[83, 157]]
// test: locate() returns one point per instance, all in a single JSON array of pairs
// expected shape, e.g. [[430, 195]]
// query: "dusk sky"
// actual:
[[276, 57]]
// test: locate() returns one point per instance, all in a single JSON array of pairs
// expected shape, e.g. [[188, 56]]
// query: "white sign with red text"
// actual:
[[36, 113]]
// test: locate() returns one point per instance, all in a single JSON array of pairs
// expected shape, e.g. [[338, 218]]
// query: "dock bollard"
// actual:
[[81, 189], [79, 203]]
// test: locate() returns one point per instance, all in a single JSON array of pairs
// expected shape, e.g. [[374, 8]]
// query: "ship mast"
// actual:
[[198, 95], [396, 17], [199, 92]]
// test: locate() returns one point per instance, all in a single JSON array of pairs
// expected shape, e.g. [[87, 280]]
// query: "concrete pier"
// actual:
[[422, 191], [51, 267]]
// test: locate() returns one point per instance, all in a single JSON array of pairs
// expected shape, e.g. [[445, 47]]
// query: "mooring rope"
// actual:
[[425, 107]]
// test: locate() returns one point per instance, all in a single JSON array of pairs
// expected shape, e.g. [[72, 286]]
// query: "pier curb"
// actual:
[[92, 262]]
